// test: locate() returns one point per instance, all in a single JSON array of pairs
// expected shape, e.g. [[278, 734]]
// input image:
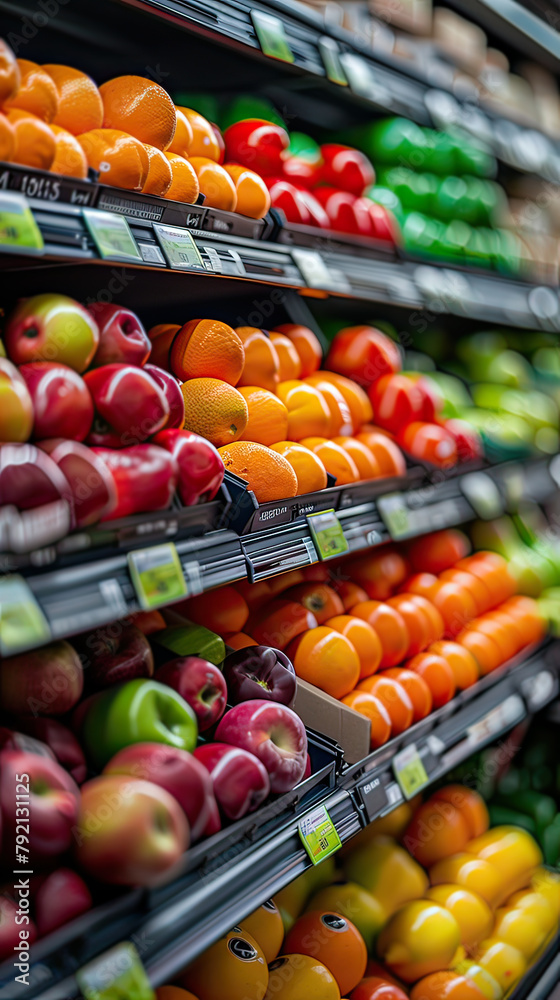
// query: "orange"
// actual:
[[476, 587], [268, 417], [183, 137], [140, 107], [438, 676], [253, 198], [320, 599], [327, 659], [238, 640], [160, 175], [437, 627], [379, 572], [416, 689], [10, 74], [455, 605], [256, 594], [184, 185], [7, 138], [333, 940], [420, 583], [493, 570], [288, 357], [390, 627], [364, 459], [80, 107], [162, 337], [207, 348], [418, 624], [393, 696], [380, 986], [308, 413], [70, 158], [306, 344], [35, 144], [337, 462], [445, 986], [236, 959], [215, 183], [350, 593], [356, 397], [294, 976], [470, 804], [265, 925], [341, 417], [484, 649], [374, 710], [204, 140], [527, 617], [120, 159], [267, 473], [223, 610], [278, 584], [461, 661], [310, 472], [214, 409], [174, 993], [437, 830], [262, 366], [279, 622], [37, 92], [500, 633], [388, 454], [514, 627], [438, 551], [365, 641]]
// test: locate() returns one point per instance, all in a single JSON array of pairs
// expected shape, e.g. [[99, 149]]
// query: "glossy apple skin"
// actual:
[[214, 824], [297, 204], [90, 482], [130, 831], [62, 897], [29, 478], [274, 734], [122, 338], [115, 653], [61, 741], [239, 779], [397, 401], [347, 214], [54, 800], [200, 683], [260, 672], [51, 327], [61, 400], [9, 930], [144, 476], [171, 388], [201, 467], [16, 407], [346, 168], [129, 406], [257, 144], [48, 680], [175, 770]]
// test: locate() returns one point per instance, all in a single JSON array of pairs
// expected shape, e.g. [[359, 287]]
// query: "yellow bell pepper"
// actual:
[[420, 938], [473, 874], [512, 851], [471, 911]]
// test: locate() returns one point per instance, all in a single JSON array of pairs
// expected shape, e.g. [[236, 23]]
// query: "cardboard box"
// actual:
[[329, 716]]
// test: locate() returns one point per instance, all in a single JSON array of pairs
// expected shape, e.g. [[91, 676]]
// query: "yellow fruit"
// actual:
[[547, 884], [512, 851], [418, 939], [387, 871], [265, 925], [520, 929], [504, 962], [486, 983], [538, 905], [355, 903], [292, 977], [473, 873], [472, 913]]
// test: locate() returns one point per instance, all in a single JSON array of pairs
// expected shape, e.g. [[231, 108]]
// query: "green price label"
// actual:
[[326, 531], [483, 495], [112, 236], [318, 835], [22, 623], [180, 250], [330, 54], [116, 975], [272, 36], [395, 515], [157, 575], [410, 771], [19, 233]]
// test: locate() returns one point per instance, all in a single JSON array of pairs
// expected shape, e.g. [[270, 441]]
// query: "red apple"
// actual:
[[466, 437], [9, 929], [397, 400], [175, 770], [130, 832], [239, 779], [49, 680], [61, 741], [257, 144], [308, 771], [297, 204], [363, 354], [201, 467], [29, 478], [384, 225], [129, 406], [347, 214], [62, 404], [200, 683], [51, 327], [274, 734], [260, 672], [214, 824], [429, 443], [89, 480], [115, 653], [122, 338], [171, 388], [62, 897], [16, 408], [52, 804], [346, 168]]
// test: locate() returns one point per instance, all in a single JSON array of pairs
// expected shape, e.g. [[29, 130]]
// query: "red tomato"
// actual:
[[363, 353]]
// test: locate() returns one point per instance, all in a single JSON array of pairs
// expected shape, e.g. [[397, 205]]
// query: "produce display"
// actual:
[[429, 902]]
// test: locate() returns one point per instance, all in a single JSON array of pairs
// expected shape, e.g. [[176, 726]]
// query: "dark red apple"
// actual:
[[115, 653], [201, 467], [62, 405], [29, 478], [274, 734], [62, 897], [122, 338], [48, 680], [60, 740], [200, 683], [260, 672], [171, 388], [52, 803], [90, 482], [239, 779], [214, 824]]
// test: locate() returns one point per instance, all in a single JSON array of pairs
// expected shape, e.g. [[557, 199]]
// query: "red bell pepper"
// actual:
[[145, 478], [201, 469]]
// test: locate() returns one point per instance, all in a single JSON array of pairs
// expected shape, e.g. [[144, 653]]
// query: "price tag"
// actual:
[[116, 975], [330, 54], [272, 36], [410, 771], [318, 835], [483, 495], [19, 233], [157, 575], [313, 268], [112, 236], [513, 480], [22, 623], [327, 534], [395, 514], [503, 716], [180, 250], [374, 797]]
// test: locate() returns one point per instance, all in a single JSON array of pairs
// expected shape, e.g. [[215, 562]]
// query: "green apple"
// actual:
[[51, 327]]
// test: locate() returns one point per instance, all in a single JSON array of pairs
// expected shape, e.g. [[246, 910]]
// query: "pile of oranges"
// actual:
[[281, 424], [55, 118], [392, 633]]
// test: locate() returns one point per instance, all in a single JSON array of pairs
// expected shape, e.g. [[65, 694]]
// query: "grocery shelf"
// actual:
[[228, 876]]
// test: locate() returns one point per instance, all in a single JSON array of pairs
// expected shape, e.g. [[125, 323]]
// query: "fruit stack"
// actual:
[[455, 911], [107, 425], [393, 634]]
